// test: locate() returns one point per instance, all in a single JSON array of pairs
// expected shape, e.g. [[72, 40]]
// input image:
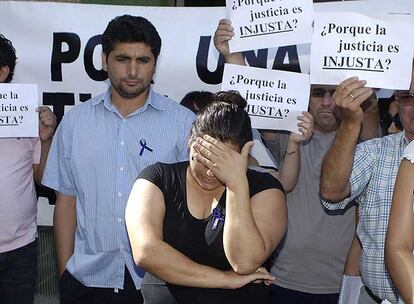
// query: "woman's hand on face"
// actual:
[[226, 164], [235, 280]]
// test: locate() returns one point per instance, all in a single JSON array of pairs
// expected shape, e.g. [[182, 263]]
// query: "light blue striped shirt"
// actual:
[[96, 156], [374, 172]]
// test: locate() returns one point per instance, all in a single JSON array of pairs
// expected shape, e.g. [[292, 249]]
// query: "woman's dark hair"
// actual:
[[224, 119], [7, 56], [131, 29], [196, 101]]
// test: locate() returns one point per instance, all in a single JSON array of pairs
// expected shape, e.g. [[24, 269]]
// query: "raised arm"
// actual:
[[399, 244], [253, 227], [222, 35], [64, 226], [290, 168], [144, 217], [337, 163], [47, 126]]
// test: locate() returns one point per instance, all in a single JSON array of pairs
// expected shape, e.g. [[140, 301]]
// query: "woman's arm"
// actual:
[[253, 227], [144, 216], [399, 244]]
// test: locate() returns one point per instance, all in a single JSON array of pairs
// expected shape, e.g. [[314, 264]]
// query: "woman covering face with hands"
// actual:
[[203, 229]]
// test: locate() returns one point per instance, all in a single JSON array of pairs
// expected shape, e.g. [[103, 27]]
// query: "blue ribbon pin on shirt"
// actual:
[[144, 147], [218, 217]]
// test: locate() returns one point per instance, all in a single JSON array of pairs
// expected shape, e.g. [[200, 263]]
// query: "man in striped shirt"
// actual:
[[99, 149]]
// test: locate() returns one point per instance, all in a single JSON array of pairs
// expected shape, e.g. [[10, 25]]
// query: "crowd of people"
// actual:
[[145, 215]]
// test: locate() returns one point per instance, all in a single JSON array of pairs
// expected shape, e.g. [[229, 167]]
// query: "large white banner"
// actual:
[[58, 46]]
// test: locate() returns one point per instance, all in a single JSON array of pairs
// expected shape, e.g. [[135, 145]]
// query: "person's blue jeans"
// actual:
[[18, 270]]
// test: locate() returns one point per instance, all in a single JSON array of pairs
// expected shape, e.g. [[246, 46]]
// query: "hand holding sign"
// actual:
[[47, 123], [222, 36], [305, 127], [349, 96]]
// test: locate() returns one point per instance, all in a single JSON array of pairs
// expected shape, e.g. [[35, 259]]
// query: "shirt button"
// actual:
[[121, 246], [124, 120], [119, 194], [119, 220], [122, 143], [121, 168]]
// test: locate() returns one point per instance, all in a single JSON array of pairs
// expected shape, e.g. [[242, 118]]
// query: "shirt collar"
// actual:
[[406, 141], [152, 100]]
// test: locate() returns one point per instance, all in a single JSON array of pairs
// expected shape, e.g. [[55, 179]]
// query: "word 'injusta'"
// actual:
[[271, 27], [355, 63], [266, 111], [10, 120]]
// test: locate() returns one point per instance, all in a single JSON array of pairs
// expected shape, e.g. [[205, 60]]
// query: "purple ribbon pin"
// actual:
[[218, 217]]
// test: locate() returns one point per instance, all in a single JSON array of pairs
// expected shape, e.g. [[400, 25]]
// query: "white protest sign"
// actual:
[[18, 116], [274, 98], [262, 24], [378, 50]]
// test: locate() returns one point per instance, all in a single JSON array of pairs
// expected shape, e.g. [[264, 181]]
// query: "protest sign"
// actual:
[[268, 23], [18, 116], [274, 98], [378, 50]]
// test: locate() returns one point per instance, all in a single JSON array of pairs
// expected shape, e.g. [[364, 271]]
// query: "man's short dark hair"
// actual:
[[131, 29], [7, 56]]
